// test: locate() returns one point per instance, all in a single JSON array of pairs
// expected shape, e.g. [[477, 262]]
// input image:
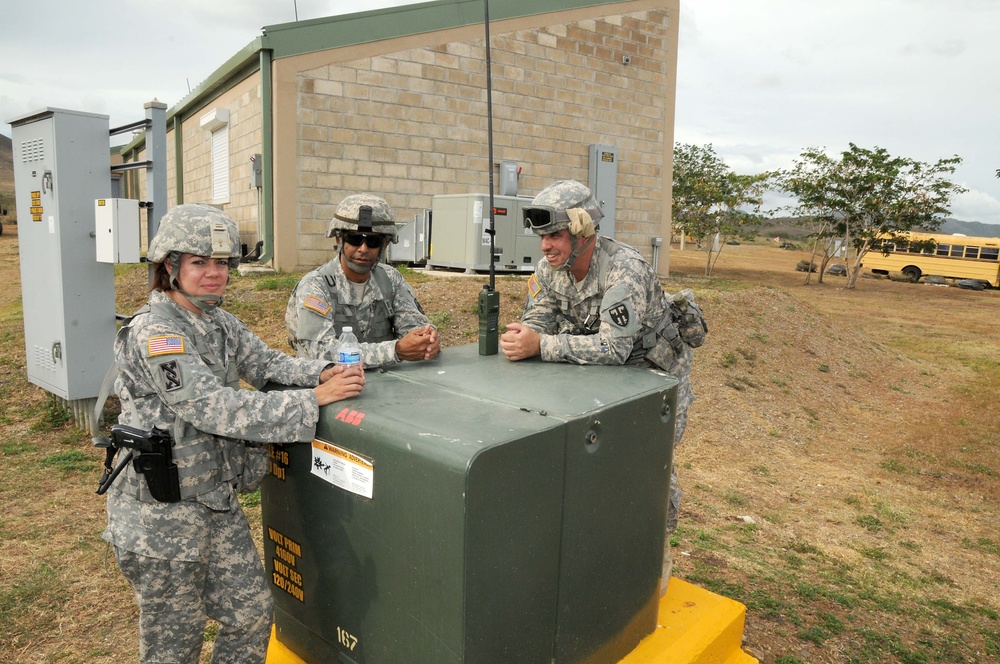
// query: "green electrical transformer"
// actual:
[[474, 510]]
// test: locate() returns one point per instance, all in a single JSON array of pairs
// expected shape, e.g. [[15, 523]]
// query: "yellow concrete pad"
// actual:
[[695, 626]]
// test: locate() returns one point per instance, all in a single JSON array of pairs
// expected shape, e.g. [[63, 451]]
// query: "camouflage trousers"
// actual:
[[227, 584], [684, 398]]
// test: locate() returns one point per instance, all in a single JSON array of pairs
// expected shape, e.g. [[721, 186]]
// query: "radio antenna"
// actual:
[[489, 298]]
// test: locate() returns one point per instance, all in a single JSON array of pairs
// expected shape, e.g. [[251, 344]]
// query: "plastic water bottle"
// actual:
[[348, 348]]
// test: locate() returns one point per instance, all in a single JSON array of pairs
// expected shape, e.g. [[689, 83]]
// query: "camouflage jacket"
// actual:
[[180, 371], [616, 315], [324, 301]]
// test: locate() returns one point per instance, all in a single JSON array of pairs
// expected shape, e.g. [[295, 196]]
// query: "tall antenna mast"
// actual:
[[489, 141], [489, 298]]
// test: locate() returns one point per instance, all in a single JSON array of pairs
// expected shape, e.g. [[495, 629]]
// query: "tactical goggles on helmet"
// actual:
[[371, 240], [541, 216]]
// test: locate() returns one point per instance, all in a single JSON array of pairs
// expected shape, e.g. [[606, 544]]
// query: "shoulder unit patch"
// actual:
[[619, 314], [171, 376]]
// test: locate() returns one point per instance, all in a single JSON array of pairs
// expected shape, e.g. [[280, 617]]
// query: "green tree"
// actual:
[[826, 235], [711, 203], [867, 196]]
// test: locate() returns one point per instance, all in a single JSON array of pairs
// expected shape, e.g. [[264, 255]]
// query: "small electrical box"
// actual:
[[508, 178], [117, 228], [256, 170]]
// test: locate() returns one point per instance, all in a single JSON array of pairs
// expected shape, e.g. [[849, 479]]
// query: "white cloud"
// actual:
[[764, 80], [759, 80], [975, 205]]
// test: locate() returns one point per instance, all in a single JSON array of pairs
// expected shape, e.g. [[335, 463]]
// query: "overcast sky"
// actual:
[[760, 80]]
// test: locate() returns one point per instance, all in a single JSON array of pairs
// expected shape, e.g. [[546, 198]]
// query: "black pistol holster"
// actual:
[[150, 454]]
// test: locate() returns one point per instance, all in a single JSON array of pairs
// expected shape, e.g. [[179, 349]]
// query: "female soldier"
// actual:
[[180, 361]]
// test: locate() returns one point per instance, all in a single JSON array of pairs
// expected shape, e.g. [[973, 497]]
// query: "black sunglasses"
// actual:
[[372, 240]]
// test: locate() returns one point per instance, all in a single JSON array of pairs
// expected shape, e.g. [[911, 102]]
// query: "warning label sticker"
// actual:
[[343, 468]]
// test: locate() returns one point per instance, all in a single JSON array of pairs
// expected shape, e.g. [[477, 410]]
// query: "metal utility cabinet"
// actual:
[[459, 238], [474, 510], [603, 179], [61, 165]]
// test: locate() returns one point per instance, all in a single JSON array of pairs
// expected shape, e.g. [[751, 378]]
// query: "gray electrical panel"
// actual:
[[508, 178], [412, 242], [61, 165], [459, 238], [603, 181]]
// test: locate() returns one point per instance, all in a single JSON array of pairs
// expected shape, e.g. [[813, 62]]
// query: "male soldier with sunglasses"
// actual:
[[592, 300], [356, 289]]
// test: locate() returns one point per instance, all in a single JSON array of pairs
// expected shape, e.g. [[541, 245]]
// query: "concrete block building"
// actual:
[[394, 102]]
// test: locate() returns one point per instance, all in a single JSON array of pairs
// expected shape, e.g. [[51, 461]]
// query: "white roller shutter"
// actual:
[[220, 165]]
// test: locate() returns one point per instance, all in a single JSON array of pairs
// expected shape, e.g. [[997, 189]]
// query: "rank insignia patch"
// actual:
[[165, 345], [317, 305], [171, 376], [533, 288], [619, 314]]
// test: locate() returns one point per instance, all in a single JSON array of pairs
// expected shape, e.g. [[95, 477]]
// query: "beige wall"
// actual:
[[245, 117], [408, 121], [244, 105]]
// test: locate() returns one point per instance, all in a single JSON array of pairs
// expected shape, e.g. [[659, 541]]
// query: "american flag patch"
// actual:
[[317, 305], [165, 345], [533, 288]]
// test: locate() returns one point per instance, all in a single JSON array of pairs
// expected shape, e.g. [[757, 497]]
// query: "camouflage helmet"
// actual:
[[547, 211], [364, 213], [198, 229]]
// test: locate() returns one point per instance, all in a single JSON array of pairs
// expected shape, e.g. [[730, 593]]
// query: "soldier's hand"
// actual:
[[520, 342], [420, 344], [339, 383]]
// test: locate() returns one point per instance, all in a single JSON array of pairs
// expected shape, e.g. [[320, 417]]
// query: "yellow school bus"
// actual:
[[949, 256]]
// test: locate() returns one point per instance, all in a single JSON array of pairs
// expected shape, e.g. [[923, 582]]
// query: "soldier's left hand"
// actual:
[[420, 344], [520, 342], [339, 382]]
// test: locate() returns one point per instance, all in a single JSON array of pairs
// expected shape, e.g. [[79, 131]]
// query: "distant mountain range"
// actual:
[[974, 228], [787, 228]]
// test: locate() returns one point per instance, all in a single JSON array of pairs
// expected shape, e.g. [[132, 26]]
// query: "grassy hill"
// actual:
[[841, 465]]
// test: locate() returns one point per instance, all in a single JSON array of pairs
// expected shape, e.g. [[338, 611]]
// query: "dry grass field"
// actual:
[[841, 466]]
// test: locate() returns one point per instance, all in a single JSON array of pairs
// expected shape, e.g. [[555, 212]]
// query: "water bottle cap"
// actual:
[[348, 328]]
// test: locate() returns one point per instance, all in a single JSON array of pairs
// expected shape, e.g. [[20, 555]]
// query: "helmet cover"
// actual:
[[366, 213], [197, 229], [547, 211]]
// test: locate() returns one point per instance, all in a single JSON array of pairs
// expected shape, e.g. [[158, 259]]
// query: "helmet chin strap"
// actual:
[[360, 269], [568, 264], [206, 303]]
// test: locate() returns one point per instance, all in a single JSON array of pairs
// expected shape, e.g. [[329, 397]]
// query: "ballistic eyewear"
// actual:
[[540, 216], [371, 240]]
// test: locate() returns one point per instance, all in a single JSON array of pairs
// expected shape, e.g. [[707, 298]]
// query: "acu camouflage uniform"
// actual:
[[617, 315], [180, 371], [380, 311], [325, 300]]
